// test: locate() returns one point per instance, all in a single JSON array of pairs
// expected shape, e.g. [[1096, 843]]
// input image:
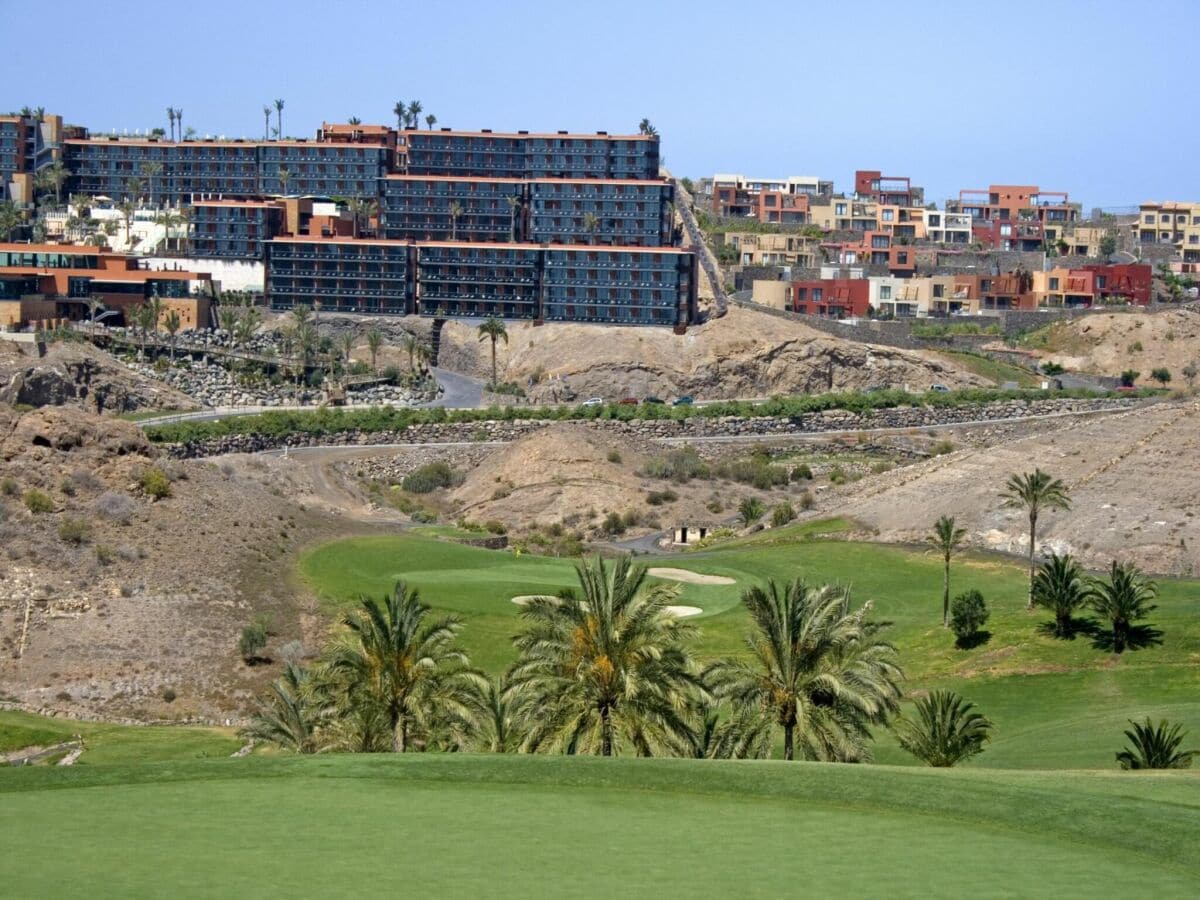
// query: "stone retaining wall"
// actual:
[[697, 427]]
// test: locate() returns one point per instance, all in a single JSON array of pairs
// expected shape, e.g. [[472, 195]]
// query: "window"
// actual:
[[888, 215], [939, 291], [839, 209], [885, 292], [1005, 230], [818, 295], [1054, 284]]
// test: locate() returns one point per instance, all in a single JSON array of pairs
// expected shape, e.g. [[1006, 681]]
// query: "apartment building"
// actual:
[[478, 280], [628, 286], [843, 214], [1086, 240], [342, 274], [879, 249], [947, 227], [42, 282], [28, 144], [905, 223], [835, 298], [889, 190], [1016, 217], [525, 155], [234, 229], [774, 249], [785, 201]]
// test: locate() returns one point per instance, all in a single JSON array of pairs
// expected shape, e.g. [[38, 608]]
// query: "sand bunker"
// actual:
[[689, 577], [523, 599], [683, 612]]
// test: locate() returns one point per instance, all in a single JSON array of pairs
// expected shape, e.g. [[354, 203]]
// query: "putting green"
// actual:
[[576, 827]]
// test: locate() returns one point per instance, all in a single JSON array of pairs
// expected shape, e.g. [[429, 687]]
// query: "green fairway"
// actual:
[[573, 827], [1055, 703]]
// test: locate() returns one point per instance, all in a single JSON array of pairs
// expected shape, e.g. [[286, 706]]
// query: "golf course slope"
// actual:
[[502, 826]]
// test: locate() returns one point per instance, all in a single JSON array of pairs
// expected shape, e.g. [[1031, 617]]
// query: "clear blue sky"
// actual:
[[1095, 97]]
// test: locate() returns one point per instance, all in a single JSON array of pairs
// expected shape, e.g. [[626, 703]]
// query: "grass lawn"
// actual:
[[992, 369], [1055, 703], [105, 743], [575, 827]]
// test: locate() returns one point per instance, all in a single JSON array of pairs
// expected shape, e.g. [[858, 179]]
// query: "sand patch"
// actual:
[[688, 577], [682, 612], [524, 599]]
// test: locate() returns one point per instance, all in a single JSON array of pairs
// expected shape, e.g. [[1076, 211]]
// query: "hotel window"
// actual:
[[885, 292]]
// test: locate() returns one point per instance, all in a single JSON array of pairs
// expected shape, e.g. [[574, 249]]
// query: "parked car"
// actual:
[[652, 400], [628, 401], [594, 401], [685, 400], [939, 388]]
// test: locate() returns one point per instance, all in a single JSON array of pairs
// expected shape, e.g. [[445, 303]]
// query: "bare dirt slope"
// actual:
[[743, 354], [110, 598], [1110, 344], [81, 375], [1132, 478]]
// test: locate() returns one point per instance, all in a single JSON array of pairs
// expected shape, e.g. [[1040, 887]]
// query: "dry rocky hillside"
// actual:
[[1110, 344], [79, 374], [743, 354], [111, 600], [1131, 475]]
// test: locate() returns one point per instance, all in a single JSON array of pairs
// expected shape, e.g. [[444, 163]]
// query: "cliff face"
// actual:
[[743, 354]]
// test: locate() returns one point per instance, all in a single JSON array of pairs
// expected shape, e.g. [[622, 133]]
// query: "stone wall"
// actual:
[[663, 429]]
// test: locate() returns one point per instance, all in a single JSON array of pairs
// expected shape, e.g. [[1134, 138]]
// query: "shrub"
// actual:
[[494, 526], [941, 448], [168, 694], [74, 531], [681, 466], [155, 483], [391, 374], [715, 505], [67, 487], [802, 473], [1129, 377], [658, 498], [782, 514], [9, 488], [614, 456], [613, 524], [1135, 347], [105, 555], [880, 467], [252, 641], [1052, 368], [806, 500], [116, 507], [750, 511], [968, 614], [423, 516], [632, 518], [37, 502], [837, 475], [431, 477]]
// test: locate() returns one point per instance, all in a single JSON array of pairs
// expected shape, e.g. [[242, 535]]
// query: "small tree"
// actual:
[[374, 342], [252, 641], [1189, 374], [1060, 588], [1126, 598], [1161, 375], [1108, 245], [946, 730], [1129, 377], [1155, 747], [968, 614], [172, 323], [750, 511], [782, 514]]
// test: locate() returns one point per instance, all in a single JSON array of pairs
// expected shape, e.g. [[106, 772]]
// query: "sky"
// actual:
[[1094, 97]]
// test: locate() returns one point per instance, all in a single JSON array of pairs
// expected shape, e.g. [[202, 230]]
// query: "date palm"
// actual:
[[493, 329], [288, 717], [150, 171], [374, 344], [1124, 599], [1060, 587], [1155, 747], [946, 539], [818, 669], [400, 111], [172, 324], [744, 734], [591, 224], [279, 116], [11, 218], [266, 121], [414, 110], [456, 210], [430, 121], [409, 343], [605, 669], [946, 730], [391, 655], [498, 726], [1033, 492]]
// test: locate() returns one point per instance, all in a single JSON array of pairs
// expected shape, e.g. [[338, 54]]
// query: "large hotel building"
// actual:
[[545, 227]]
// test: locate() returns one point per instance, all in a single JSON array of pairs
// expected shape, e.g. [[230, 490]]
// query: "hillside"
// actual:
[[1131, 475], [1110, 344], [743, 354]]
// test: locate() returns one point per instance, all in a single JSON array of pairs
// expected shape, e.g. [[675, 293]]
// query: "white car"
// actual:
[[595, 401]]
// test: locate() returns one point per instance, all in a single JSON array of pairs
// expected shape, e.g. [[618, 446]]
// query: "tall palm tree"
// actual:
[[1033, 492], [514, 204], [150, 171], [1155, 747], [400, 110], [1059, 587], [818, 669], [347, 346], [390, 655], [430, 121], [493, 329], [11, 218], [354, 120], [591, 224], [946, 730], [279, 117], [645, 127], [171, 121], [266, 121], [414, 110], [142, 317], [172, 324], [456, 210], [606, 668], [946, 539], [179, 124], [409, 344], [288, 717], [284, 177], [56, 175], [1124, 599], [94, 304], [374, 343]]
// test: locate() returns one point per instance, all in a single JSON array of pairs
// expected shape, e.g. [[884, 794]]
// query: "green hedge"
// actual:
[[379, 419]]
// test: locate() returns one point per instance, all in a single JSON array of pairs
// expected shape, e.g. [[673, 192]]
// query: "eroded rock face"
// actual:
[[65, 430]]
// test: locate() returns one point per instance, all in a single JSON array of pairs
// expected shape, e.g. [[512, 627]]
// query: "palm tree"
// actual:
[[171, 121], [143, 317], [172, 324], [645, 127], [127, 208], [591, 224], [1155, 747], [456, 210], [401, 113], [430, 121], [227, 317], [246, 324], [151, 170], [946, 731], [54, 177], [179, 124], [354, 120], [424, 353], [374, 342], [499, 728], [1059, 587], [347, 346], [606, 668], [414, 110], [750, 510], [514, 204], [11, 218], [284, 177], [818, 670], [409, 344], [946, 539], [1124, 599], [745, 734], [411, 668], [94, 304], [1032, 492], [492, 329], [266, 121], [288, 717], [279, 116]]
